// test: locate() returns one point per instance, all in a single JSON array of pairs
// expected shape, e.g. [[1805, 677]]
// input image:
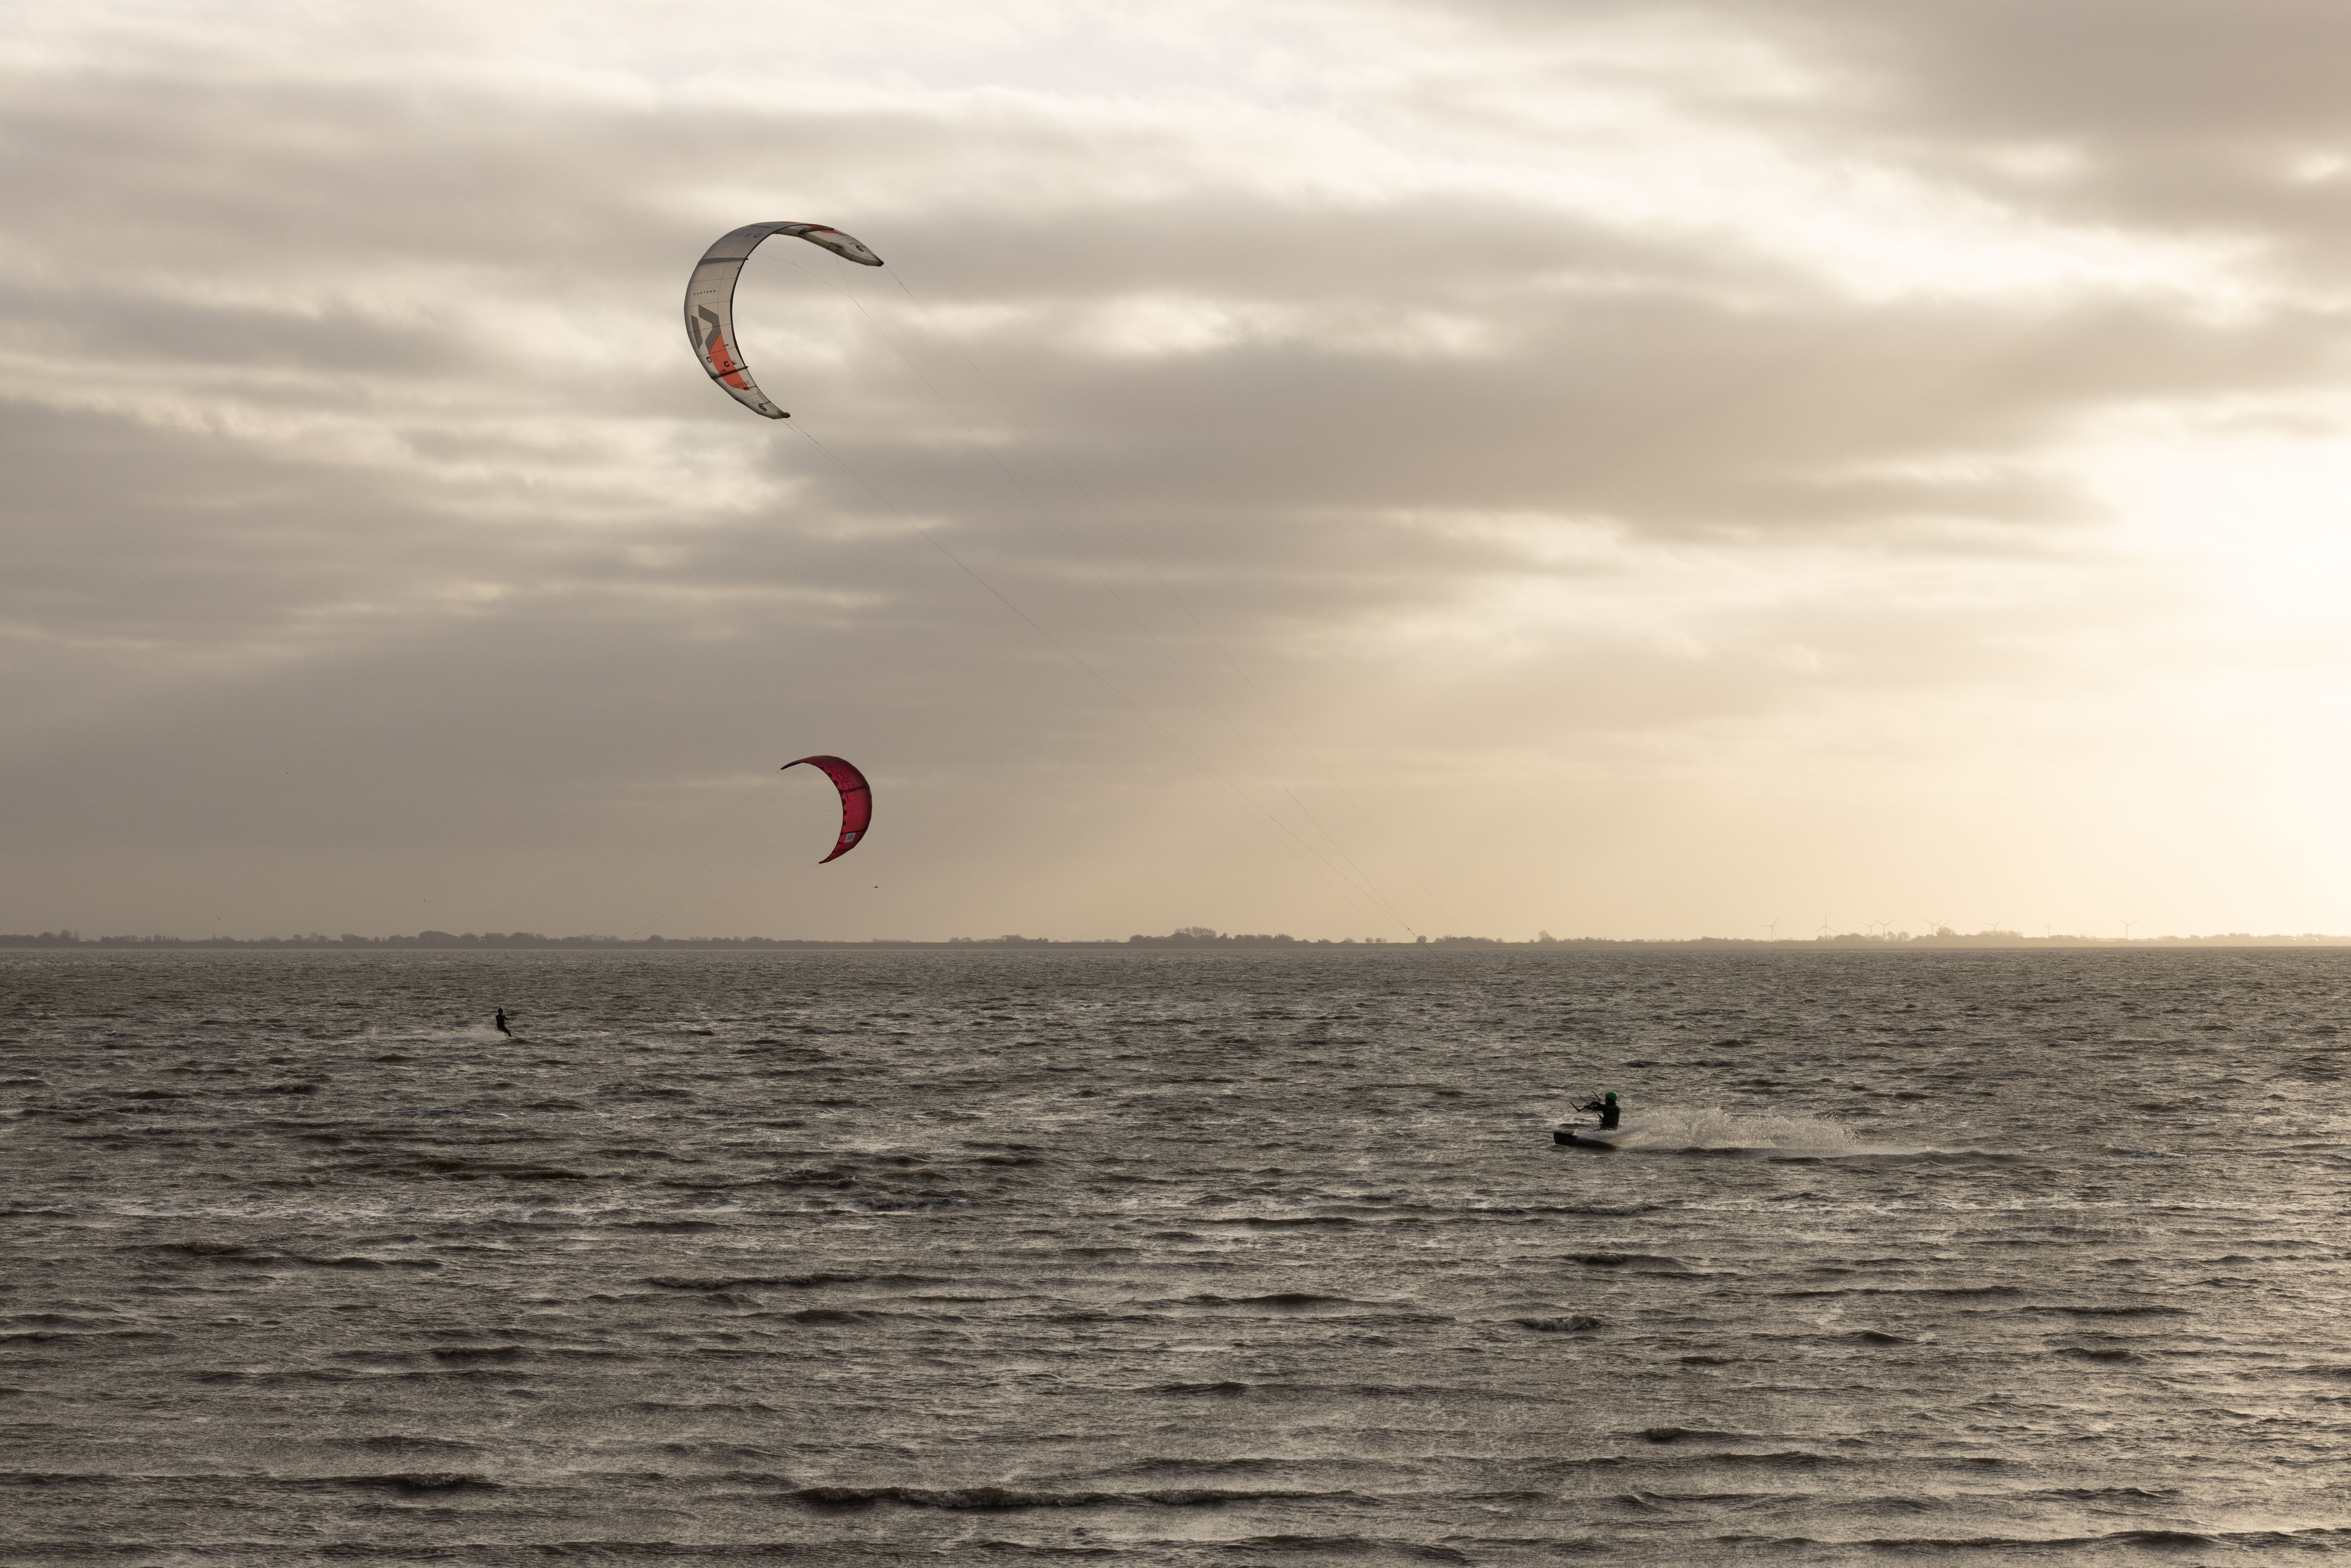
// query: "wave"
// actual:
[[400, 1443], [1924, 1292], [1919, 1544], [1356, 1548], [416, 1482], [69, 1337], [789, 1281], [2151, 1537], [1714, 1129], [1005, 1498], [1293, 1300]]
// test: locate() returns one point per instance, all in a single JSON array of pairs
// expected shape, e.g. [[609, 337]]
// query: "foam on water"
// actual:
[[1715, 1128]]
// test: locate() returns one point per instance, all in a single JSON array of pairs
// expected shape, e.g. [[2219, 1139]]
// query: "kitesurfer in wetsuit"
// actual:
[[1611, 1113], [502, 1024]]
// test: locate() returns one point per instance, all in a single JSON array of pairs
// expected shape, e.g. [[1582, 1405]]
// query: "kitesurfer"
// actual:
[[509, 1033], [1611, 1113]]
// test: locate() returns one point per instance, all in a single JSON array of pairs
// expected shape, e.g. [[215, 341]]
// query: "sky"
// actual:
[[1361, 468]]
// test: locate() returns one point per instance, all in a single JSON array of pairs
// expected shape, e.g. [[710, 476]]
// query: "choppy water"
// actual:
[[1173, 1258]]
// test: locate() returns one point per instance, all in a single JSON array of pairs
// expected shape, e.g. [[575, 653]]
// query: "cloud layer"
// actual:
[[1385, 467]]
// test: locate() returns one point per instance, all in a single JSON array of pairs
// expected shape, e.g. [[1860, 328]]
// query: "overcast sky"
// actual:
[[1353, 468]]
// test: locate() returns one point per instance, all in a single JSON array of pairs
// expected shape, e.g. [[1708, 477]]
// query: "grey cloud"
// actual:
[[2166, 71], [2177, 118], [358, 465], [541, 228]]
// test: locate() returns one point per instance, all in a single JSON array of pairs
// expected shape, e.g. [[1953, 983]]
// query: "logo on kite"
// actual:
[[856, 799], [719, 357], [710, 302]]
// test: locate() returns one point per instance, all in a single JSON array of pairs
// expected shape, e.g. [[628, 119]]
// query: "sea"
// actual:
[[1160, 1257]]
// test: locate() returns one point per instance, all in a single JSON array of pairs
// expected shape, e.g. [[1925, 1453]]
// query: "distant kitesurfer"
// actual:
[[1611, 1113], [510, 1034]]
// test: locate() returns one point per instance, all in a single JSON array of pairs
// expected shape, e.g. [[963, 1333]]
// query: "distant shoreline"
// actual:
[[525, 941]]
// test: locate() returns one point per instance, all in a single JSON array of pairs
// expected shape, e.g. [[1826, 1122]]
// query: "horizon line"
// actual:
[[1187, 937]]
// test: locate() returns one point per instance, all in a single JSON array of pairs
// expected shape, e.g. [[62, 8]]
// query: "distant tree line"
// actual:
[[437, 939], [1184, 936]]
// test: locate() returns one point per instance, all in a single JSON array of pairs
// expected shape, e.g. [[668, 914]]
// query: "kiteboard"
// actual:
[[1589, 1136]]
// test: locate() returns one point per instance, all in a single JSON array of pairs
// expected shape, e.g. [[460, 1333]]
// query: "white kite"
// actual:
[[710, 302]]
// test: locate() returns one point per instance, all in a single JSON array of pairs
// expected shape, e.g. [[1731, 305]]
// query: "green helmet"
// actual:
[[1610, 1095]]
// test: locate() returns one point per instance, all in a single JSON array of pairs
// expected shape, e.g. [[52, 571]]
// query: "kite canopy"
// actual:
[[710, 302], [856, 799]]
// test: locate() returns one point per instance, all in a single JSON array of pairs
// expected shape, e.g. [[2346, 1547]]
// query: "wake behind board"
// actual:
[[1590, 1138]]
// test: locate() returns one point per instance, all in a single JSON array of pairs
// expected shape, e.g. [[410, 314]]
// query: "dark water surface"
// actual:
[[1174, 1258]]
